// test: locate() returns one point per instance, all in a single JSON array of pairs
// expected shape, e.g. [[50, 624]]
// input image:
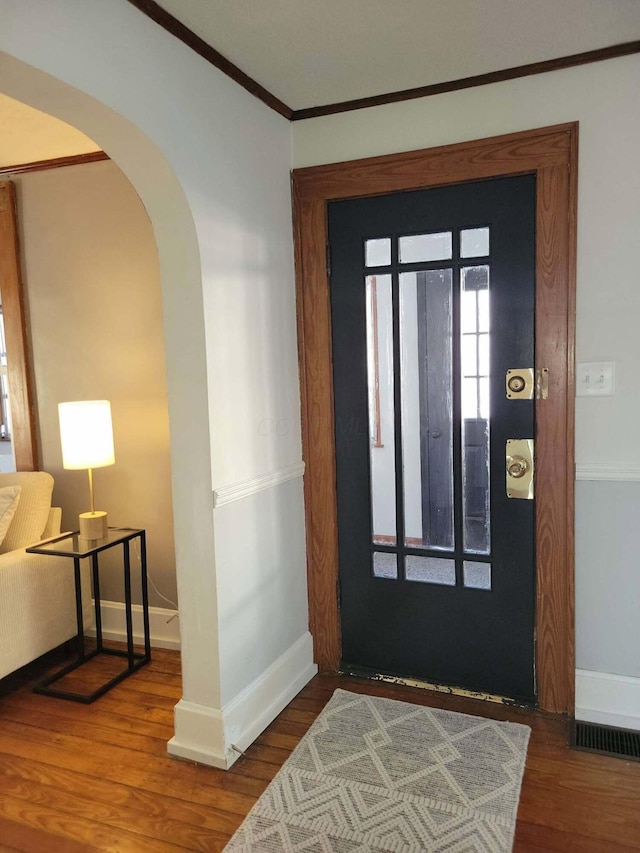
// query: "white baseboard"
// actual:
[[250, 712], [206, 735], [611, 700], [164, 630], [199, 735]]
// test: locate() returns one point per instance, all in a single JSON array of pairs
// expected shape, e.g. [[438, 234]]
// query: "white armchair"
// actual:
[[37, 593]]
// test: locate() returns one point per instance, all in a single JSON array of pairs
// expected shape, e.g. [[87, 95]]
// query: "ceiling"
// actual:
[[316, 52]]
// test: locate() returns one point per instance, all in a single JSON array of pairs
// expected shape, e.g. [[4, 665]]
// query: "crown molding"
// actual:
[[172, 25], [154, 10], [532, 68], [53, 163]]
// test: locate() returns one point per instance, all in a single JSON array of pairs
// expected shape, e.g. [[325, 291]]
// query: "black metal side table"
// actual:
[[71, 545]]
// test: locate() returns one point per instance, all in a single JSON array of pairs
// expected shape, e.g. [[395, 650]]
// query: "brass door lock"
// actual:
[[520, 383], [519, 468], [523, 383]]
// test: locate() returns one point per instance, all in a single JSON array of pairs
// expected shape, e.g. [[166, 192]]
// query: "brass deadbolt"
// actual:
[[517, 466], [519, 383]]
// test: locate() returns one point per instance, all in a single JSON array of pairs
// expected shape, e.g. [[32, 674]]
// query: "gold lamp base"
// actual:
[[93, 525]]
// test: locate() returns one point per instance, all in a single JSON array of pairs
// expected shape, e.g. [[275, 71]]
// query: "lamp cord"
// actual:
[[136, 545]]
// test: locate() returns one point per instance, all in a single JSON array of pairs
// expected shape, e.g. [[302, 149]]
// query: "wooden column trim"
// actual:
[[23, 431], [314, 340], [551, 154], [554, 486]]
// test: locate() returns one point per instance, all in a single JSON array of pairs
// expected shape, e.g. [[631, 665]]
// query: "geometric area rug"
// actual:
[[375, 775]]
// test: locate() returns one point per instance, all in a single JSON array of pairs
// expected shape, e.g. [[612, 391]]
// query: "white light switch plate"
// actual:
[[596, 378]]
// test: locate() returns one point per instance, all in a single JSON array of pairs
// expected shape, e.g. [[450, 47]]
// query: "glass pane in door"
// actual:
[[385, 565], [379, 321], [425, 247], [427, 407], [474, 368], [474, 242], [476, 575], [377, 253], [430, 570]]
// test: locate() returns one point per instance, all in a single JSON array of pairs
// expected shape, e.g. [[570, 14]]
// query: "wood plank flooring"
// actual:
[[87, 778]]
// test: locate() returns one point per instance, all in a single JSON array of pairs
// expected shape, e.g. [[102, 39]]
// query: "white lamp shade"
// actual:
[[86, 434]]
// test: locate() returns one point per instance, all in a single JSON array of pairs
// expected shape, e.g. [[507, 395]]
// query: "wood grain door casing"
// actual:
[[551, 154], [15, 327]]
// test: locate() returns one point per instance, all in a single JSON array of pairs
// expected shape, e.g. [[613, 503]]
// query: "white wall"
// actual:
[[608, 559], [211, 165], [603, 97], [29, 135], [7, 459], [92, 291]]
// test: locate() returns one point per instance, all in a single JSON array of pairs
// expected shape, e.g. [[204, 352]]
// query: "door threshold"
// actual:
[[357, 672]]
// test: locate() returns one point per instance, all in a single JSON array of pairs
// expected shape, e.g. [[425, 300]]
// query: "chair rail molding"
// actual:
[[244, 488], [608, 472]]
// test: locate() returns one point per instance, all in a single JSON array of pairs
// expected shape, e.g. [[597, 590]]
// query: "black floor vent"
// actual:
[[607, 740]]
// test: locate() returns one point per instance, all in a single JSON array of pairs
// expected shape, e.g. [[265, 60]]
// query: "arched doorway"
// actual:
[[161, 192]]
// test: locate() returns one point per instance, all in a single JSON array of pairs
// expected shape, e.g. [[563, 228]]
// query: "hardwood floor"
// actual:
[[86, 778]]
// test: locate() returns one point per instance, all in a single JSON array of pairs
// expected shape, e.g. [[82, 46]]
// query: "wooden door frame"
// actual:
[[21, 400], [551, 154]]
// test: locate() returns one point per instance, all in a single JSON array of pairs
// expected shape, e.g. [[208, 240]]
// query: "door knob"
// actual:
[[517, 466]]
